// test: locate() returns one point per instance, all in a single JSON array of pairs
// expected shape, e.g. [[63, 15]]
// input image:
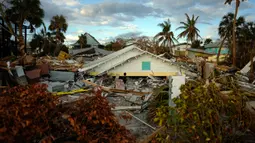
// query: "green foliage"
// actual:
[[208, 41], [190, 31], [82, 40], [203, 114], [160, 98], [58, 26], [166, 37], [197, 44]]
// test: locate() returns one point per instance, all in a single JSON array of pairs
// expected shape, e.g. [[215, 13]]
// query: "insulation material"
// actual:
[[176, 84]]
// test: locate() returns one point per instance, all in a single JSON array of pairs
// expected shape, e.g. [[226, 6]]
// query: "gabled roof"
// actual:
[[119, 53], [96, 50], [87, 34]]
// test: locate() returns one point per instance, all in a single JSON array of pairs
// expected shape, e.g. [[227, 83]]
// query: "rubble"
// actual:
[[66, 81]]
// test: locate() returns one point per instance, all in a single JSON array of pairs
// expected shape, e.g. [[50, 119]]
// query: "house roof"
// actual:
[[86, 34], [200, 51], [213, 45], [96, 50], [121, 61]]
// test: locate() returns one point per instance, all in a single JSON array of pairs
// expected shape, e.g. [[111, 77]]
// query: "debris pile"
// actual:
[[130, 98]]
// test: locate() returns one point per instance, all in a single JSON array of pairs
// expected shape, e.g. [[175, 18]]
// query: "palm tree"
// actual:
[[248, 36], [82, 40], [25, 10], [4, 16], [58, 25], [207, 41], [234, 27], [225, 30], [191, 32], [166, 36]]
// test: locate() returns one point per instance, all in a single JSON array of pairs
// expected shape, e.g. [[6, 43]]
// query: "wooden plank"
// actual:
[[95, 85], [126, 108]]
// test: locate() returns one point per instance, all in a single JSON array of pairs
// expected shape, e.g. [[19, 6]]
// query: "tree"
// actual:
[[251, 37], [246, 43], [225, 30], [234, 27], [166, 36], [197, 44], [207, 41], [21, 11], [58, 25], [82, 40], [191, 32]]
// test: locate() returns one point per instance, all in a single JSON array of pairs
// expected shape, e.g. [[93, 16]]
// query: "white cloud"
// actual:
[[66, 2], [71, 38], [80, 31], [128, 26]]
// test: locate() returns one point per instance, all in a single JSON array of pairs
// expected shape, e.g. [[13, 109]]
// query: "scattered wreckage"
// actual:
[[65, 79]]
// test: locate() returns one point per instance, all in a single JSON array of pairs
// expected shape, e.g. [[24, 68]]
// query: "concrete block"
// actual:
[[61, 76]]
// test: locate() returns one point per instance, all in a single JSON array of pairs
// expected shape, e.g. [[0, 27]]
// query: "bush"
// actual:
[[93, 121], [203, 115], [26, 113], [31, 114]]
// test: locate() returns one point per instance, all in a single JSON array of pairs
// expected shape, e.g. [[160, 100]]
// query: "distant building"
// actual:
[[91, 51], [91, 42], [214, 48], [193, 53], [181, 49], [209, 52]]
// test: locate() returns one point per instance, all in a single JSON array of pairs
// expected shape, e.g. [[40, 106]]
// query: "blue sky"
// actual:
[[108, 19]]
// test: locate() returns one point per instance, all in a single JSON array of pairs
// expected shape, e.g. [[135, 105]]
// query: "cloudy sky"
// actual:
[[108, 19]]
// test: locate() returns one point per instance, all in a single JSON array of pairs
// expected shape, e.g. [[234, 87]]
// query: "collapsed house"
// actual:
[[134, 62], [90, 52]]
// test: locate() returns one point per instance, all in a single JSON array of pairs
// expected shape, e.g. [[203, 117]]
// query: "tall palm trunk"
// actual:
[[58, 47], [21, 40], [234, 33], [221, 45]]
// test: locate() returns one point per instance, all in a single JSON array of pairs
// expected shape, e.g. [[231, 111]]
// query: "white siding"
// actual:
[[157, 65]]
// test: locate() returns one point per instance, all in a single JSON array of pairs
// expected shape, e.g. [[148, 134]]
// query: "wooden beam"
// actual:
[[95, 85], [129, 91], [117, 108]]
